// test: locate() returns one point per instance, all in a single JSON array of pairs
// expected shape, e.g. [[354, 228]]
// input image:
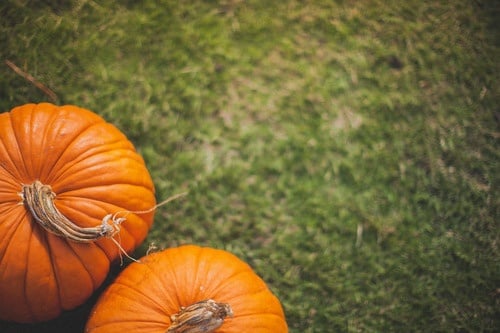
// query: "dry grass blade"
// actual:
[[30, 78]]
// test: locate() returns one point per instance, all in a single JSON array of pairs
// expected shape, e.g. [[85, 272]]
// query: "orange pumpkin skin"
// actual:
[[93, 170], [145, 295]]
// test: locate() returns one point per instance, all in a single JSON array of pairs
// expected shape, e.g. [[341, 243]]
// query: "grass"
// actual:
[[347, 150]]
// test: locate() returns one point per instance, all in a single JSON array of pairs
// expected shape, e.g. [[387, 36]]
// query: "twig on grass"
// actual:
[[31, 79]]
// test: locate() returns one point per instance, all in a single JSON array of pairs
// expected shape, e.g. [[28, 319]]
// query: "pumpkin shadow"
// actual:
[[69, 321]]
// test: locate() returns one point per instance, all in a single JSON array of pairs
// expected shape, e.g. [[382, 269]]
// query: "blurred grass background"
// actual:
[[347, 150]]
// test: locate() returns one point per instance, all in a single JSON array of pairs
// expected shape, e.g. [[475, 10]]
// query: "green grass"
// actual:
[[347, 150]]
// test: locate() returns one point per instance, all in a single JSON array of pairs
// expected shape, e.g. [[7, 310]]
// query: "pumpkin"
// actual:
[[188, 289], [69, 185]]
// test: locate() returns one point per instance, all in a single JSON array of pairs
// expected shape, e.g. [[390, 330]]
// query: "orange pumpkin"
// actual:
[[188, 289], [67, 178]]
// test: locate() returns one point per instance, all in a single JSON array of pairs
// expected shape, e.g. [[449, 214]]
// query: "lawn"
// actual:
[[347, 150]]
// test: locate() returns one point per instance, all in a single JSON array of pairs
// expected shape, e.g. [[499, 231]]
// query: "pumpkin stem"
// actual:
[[39, 199], [201, 317]]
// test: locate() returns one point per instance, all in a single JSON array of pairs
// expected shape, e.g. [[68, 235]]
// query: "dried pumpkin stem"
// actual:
[[201, 317], [39, 199]]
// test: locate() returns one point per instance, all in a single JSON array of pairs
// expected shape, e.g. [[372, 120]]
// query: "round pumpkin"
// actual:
[[188, 289], [68, 180]]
